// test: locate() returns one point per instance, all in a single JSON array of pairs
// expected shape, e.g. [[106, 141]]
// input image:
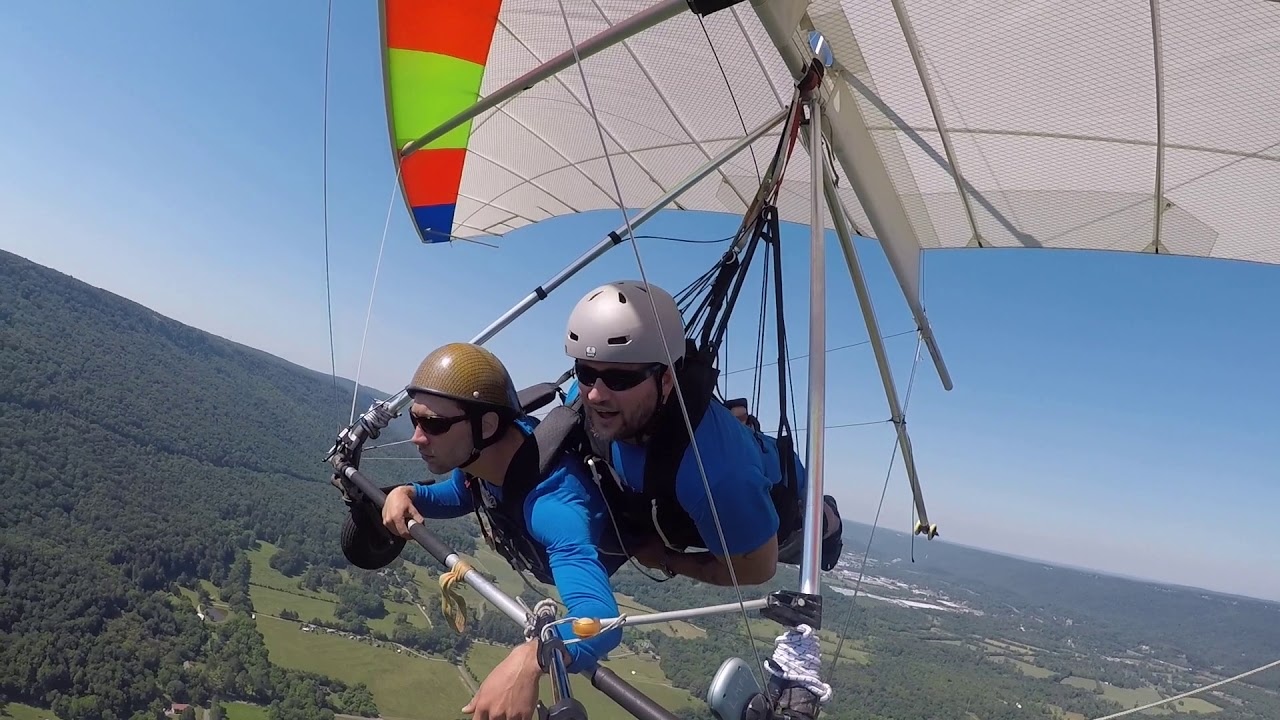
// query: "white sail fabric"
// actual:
[[1050, 107]]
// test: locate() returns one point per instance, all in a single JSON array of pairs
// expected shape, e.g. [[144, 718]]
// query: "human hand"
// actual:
[[398, 509], [511, 690]]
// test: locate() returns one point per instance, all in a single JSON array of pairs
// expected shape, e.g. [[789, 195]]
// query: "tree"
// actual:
[[177, 690]]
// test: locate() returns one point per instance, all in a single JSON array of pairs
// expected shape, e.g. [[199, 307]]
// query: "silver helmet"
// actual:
[[614, 323]]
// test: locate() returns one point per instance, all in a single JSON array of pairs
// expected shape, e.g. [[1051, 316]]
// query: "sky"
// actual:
[[1110, 411]]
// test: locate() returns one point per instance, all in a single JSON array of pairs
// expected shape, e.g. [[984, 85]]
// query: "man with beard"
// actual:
[[468, 422], [627, 363]]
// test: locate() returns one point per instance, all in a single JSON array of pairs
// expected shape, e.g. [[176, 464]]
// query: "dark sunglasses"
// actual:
[[435, 424], [615, 380]]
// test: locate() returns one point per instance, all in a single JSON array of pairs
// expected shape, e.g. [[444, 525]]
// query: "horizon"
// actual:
[[1098, 401], [1008, 555]]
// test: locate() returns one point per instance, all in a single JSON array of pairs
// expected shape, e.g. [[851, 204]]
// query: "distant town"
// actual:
[[844, 580]]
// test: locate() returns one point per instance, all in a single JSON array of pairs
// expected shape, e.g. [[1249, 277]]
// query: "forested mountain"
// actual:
[[146, 464], [138, 453]]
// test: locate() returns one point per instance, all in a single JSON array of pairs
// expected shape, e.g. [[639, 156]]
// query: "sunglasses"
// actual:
[[435, 424], [615, 380]]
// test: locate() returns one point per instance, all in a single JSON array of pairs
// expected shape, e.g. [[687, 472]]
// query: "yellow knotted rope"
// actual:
[[452, 606]]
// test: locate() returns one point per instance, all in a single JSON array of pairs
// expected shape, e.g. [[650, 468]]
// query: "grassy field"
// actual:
[[18, 711], [244, 711], [405, 686], [1026, 667], [271, 592], [1060, 714], [271, 601], [262, 574], [1130, 698], [402, 684], [1015, 648]]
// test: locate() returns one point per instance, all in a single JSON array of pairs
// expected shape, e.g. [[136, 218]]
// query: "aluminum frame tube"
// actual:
[[433, 545], [810, 565], [854, 266], [673, 615], [856, 151], [627, 697]]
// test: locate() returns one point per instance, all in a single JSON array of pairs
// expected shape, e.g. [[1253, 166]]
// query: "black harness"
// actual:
[[503, 521]]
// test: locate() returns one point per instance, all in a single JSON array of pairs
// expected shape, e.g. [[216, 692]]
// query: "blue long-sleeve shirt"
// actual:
[[564, 513], [740, 483], [742, 467]]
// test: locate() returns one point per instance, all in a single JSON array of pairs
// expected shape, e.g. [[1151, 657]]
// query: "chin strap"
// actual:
[[478, 442]]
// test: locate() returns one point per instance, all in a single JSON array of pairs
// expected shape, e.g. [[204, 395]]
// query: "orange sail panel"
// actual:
[[434, 54]]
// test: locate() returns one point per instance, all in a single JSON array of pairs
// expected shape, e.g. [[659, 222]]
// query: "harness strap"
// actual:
[[536, 397], [554, 435], [668, 445]]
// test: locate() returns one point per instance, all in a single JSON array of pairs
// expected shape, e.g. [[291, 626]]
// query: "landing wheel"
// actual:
[[366, 543]]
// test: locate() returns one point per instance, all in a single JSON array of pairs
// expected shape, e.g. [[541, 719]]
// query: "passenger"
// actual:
[[468, 422], [627, 365]]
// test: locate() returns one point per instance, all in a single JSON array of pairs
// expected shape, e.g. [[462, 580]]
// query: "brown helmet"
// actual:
[[469, 374]]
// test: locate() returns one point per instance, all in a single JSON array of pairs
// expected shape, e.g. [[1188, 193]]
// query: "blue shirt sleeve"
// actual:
[[564, 513], [736, 474], [448, 498]]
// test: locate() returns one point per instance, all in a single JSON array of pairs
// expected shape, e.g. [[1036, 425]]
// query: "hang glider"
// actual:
[[1142, 128]]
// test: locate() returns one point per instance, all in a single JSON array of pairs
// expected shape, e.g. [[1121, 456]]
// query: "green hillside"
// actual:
[[141, 454]]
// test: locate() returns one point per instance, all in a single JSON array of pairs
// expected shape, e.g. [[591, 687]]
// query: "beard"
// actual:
[[609, 425]]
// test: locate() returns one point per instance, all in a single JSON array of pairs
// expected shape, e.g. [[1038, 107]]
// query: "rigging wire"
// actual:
[[355, 391], [862, 569], [828, 350], [686, 240], [905, 402], [684, 411], [728, 86], [837, 426], [324, 175]]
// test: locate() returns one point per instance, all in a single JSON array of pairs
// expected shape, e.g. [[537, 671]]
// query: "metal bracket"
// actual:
[[792, 609], [366, 427]]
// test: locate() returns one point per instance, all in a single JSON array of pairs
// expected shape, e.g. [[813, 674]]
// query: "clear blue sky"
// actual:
[[1111, 411]]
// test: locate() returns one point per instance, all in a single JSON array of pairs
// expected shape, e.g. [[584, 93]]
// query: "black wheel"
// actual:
[[369, 546]]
